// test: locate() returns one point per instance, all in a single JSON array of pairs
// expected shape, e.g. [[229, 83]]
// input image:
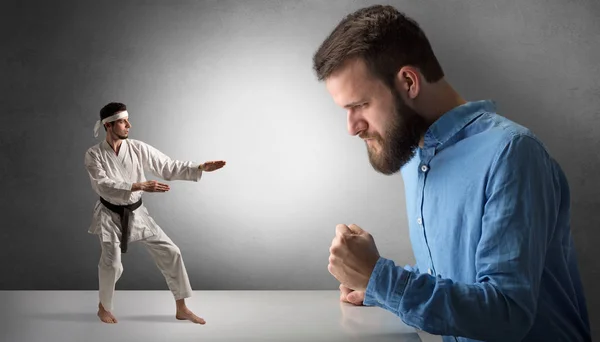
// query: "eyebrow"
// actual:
[[354, 104]]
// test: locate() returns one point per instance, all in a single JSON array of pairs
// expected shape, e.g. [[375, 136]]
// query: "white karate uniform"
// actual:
[[112, 177]]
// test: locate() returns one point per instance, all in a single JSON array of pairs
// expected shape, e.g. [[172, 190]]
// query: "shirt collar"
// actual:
[[455, 120], [104, 144]]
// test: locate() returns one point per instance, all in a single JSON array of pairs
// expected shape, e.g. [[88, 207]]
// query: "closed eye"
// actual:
[[354, 106]]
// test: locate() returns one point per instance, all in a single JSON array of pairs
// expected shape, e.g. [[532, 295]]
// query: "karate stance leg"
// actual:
[[169, 261], [110, 269]]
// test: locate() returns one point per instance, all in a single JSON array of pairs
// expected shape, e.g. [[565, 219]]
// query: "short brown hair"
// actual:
[[384, 38]]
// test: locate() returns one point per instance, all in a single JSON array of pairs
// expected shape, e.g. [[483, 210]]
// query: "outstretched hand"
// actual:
[[151, 186], [212, 165]]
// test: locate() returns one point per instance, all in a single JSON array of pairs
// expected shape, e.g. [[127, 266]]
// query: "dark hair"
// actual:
[[111, 109], [384, 38]]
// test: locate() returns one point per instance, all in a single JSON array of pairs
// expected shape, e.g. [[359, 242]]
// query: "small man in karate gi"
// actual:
[[116, 169]]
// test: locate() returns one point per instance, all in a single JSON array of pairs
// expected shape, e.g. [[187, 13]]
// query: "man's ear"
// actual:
[[408, 82]]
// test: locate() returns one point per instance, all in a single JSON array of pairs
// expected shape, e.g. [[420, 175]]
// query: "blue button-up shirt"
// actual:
[[489, 222]]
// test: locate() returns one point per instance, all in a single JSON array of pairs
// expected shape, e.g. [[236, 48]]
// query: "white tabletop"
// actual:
[[230, 316]]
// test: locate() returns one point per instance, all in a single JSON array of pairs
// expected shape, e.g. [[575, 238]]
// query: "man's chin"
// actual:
[[384, 169], [390, 165], [381, 165]]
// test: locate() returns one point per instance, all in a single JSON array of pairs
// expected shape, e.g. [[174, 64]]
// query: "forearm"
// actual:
[[167, 168], [111, 187], [176, 170], [101, 181], [443, 307]]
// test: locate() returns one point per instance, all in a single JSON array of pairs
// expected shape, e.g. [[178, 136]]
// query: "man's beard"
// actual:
[[400, 140], [122, 137]]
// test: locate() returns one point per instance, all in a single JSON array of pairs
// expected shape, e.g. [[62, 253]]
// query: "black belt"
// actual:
[[123, 211]]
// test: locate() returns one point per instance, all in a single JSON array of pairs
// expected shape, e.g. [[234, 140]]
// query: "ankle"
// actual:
[[101, 308]]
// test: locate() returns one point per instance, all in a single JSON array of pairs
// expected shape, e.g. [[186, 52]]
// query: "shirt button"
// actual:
[[420, 221], [424, 168]]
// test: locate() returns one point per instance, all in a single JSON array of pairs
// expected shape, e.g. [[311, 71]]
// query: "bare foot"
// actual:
[[105, 316], [186, 314]]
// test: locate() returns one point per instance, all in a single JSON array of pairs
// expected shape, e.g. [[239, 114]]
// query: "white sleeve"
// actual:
[[166, 168], [100, 180]]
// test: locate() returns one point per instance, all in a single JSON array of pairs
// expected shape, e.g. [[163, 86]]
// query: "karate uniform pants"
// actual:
[[166, 256]]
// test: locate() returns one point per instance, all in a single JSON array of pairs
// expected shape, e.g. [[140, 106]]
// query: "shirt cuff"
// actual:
[[386, 285], [127, 186], [196, 172]]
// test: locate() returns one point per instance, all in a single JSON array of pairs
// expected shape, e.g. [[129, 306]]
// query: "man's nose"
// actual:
[[355, 124]]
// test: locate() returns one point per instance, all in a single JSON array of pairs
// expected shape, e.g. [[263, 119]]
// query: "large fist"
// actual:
[[352, 256]]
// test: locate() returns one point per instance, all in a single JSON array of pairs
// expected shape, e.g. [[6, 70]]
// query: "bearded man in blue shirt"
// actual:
[[488, 207]]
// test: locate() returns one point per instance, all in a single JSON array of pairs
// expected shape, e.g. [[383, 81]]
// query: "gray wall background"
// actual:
[[232, 80]]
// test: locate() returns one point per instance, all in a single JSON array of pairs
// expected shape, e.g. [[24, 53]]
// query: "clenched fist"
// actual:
[[352, 256]]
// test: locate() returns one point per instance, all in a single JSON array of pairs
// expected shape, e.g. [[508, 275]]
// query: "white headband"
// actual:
[[112, 118]]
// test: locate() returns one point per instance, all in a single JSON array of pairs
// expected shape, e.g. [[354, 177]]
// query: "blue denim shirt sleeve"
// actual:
[[410, 268], [520, 211]]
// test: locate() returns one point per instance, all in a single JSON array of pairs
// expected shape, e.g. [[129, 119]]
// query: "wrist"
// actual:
[[136, 187], [387, 285], [201, 167], [374, 284]]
